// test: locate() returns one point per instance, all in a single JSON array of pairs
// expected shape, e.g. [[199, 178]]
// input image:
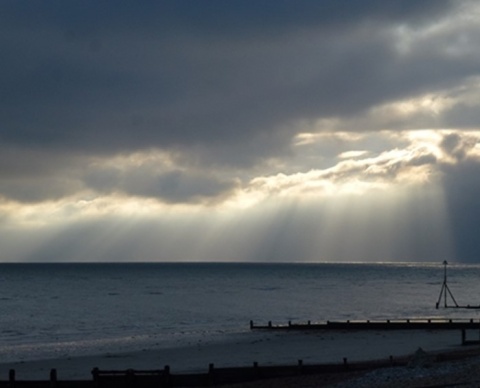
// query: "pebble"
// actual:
[[465, 373]]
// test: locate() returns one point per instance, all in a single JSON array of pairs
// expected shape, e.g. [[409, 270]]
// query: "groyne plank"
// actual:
[[407, 324]]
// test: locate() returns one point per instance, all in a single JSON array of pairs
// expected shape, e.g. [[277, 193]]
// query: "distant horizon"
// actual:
[[393, 263]]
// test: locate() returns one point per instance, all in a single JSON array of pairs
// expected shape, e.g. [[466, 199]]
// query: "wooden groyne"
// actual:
[[132, 378], [213, 376], [388, 324]]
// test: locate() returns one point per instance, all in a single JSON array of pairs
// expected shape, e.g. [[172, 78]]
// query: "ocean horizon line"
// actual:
[[252, 263]]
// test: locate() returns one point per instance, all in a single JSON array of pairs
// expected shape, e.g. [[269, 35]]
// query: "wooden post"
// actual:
[[211, 374], [391, 360], [345, 362], [95, 374], [269, 323], [166, 376], [11, 377], [53, 377], [130, 377], [256, 371], [300, 367]]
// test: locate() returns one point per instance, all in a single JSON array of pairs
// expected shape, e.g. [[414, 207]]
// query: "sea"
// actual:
[[67, 310]]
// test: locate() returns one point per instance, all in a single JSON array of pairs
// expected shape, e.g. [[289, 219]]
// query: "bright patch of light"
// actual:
[[60, 212], [308, 138], [448, 34], [357, 175], [475, 152], [136, 159], [429, 104], [352, 154]]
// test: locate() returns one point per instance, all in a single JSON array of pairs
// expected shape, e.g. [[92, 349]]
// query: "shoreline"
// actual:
[[240, 350]]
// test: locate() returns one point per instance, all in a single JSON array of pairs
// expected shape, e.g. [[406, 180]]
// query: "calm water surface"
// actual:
[[52, 310]]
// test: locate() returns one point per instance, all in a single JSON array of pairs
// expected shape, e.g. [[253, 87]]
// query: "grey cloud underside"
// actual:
[[32, 176], [116, 76], [173, 186]]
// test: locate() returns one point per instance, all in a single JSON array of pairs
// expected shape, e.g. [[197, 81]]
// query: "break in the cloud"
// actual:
[[240, 130]]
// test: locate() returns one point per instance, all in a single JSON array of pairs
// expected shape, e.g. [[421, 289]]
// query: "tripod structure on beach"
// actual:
[[445, 290]]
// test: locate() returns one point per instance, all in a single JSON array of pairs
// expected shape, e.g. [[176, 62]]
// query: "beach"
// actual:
[[243, 349], [75, 317]]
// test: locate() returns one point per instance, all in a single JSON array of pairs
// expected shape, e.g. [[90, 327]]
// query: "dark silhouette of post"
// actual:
[[11, 378], [53, 378], [444, 290]]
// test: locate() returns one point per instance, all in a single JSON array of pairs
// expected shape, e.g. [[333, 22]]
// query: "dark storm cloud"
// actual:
[[108, 76], [35, 174], [456, 145], [173, 186]]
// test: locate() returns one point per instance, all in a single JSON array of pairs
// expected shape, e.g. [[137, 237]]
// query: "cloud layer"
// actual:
[[216, 131]]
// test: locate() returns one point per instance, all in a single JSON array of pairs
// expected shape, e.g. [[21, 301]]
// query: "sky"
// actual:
[[265, 131]]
